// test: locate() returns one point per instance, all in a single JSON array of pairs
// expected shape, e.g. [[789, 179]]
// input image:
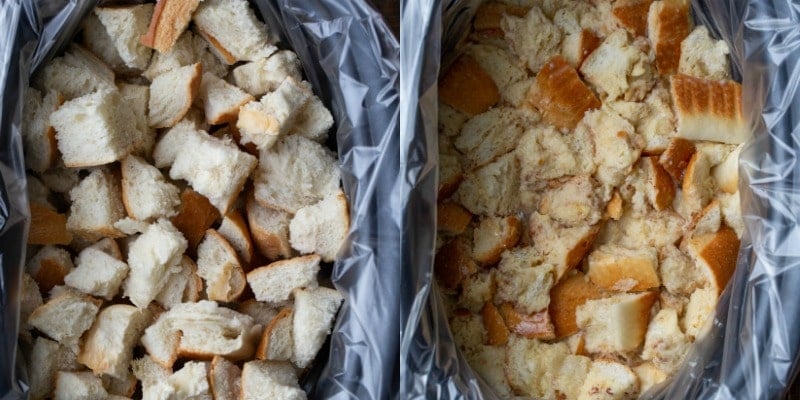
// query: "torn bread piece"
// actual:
[[467, 87], [314, 311], [668, 24], [561, 95], [660, 187], [488, 136], [270, 230], [610, 380], [188, 50], [726, 173], [534, 37], [618, 68], [169, 20], [191, 381], [577, 46], [564, 247], [108, 345], [262, 313], [266, 74], [452, 218], [490, 14], [715, 254], [275, 282], [616, 324], [225, 379], [709, 110], [219, 267], [524, 277], [572, 202], [47, 226], [565, 298], [613, 267], [97, 274], [234, 229], [221, 100], [37, 133], [491, 189], [649, 376], [147, 195], [496, 329], [537, 325], [233, 31], [31, 299], [137, 97], [96, 206], [125, 25], [676, 157], [270, 380], [276, 342], [665, 344], [172, 94], [44, 361], [184, 286], [313, 121], [66, 317], [195, 215], [321, 228], [97, 40], [75, 74], [78, 386], [698, 184], [532, 366], [493, 236], [632, 15], [263, 122], [154, 378], [49, 266], [150, 258], [169, 145], [704, 57]]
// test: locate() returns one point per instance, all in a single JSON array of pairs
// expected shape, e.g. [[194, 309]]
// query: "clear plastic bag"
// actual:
[[751, 351], [351, 58]]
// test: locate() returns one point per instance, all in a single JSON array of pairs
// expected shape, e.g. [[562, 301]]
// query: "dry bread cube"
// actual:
[[563, 247], [467, 87], [137, 97], [234, 229], [266, 74], [150, 258], [616, 146], [108, 345], [262, 380], [191, 381], [491, 189], [295, 173], [703, 57], [60, 179], [450, 121], [172, 94], [219, 267], [170, 18], [665, 345], [45, 359], [275, 282], [726, 173], [609, 380], [668, 24], [172, 141], [452, 218], [97, 274], [524, 277], [655, 228], [215, 168], [94, 129], [450, 174], [262, 313], [225, 379], [313, 121], [576, 46], [183, 286], [698, 184], [618, 68], [97, 40], [220, 99], [496, 329], [195, 216], [545, 154], [649, 376], [534, 38], [37, 133], [96, 206], [262, 122], [533, 366], [732, 212], [47, 226], [276, 342], [232, 29], [145, 192], [189, 49], [322, 227], [616, 324], [65, 317], [573, 202], [715, 255], [697, 319], [124, 25], [314, 311], [709, 110], [488, 136], [154, 378], [77, 73], [632, 15], [493, 236], [79, 386], [565, 297], [678, 272], [500, 64], [49, 266], [270, 230], [617, 268]]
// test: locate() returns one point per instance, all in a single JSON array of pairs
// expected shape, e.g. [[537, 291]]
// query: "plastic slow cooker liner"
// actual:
[[351, 58], [751, 351]]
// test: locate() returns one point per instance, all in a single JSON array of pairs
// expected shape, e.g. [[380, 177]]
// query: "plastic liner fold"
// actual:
[[751, 352], [352, 59]]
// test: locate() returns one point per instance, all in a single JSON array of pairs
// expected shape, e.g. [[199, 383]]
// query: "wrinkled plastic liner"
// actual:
[[351, 58], [751, 351]]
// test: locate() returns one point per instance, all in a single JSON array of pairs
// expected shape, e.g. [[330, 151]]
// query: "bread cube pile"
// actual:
[[182, 202], [588, 210]]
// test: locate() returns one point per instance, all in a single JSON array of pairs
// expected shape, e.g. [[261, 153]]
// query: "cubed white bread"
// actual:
[[150, 258], [220, 99], [609, 380], [313, 121], [153, 377], [147, 195], [524, 278], [262, 380], [697, 318], [189, 49], [94, 129], [476, 290], [295, 173], [195, 216], [96, 206], [119, 389], [560, 94], [532, 367], [727, 173], [321, 228], [576, 46], [39, 137], [97, 274], [200, 330], [171, 143], [649, 376], [108, 345], [715, 255], [564, 248], [493, 236], [275, 282], [707, 221], [489, 135], [709, 110], [660, 189], [732, 212], [616, 324], [499, 63], [314, 311], [488, 362], [262, 122], [534, 38], [618, 68], [276, 342], [78, 386], [215, 168], [130, 226], [225, 379], [544, 153], [704, 57], [632, 14], [64, 318], [125, 25], [614, 267], [617, 147], [573, 202], [665, 345], [183, 286], [234, 229], [172, 94], [492, 188], [45, 359], [59, 178], [232, 29], [137, 97], [678, 272], [571, 375], [77, 73], [49, 266], [31, 300], [266, 74], [191, 381], [97, 40], [668, 24], [262, 313], [220, 268], [169, 19]]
